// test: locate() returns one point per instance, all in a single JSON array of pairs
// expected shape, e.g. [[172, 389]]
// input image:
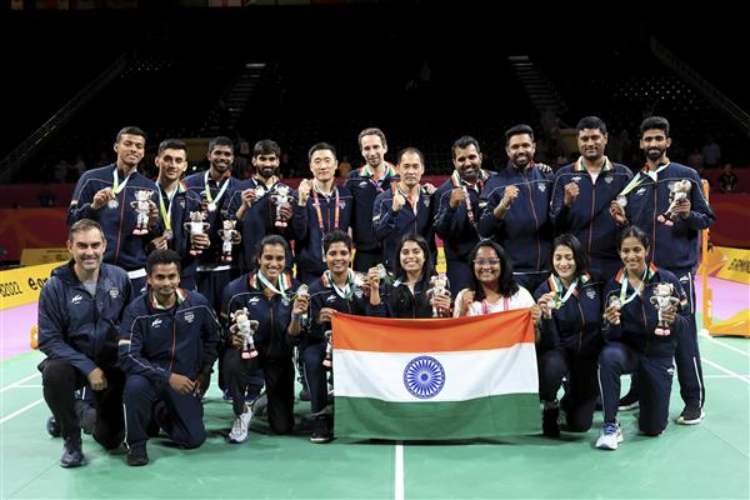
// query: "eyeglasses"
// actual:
[[487, 262]]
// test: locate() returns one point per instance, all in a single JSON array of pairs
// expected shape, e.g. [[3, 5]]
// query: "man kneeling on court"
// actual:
[[167, 347], [79, 308]]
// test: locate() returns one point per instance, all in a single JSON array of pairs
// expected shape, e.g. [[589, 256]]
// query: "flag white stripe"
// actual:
[[468, 374]]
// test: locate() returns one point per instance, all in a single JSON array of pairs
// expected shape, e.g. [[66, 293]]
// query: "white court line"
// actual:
[[27, 386], [22, 410], [732, 374], [723, 376], [398, 486], [704, 334], [19, 382]]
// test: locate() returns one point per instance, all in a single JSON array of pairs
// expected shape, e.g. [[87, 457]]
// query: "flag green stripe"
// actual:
[[492, 416]]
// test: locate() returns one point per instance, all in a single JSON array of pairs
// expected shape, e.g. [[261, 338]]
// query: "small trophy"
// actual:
[[383, 274], [358, 284], [438, 287], [280, 198], [141, 206], [195, 227], [328, 359], [663, 300], [678, 191], [227, 234], [303, 291], [245, 327], [614, 301]]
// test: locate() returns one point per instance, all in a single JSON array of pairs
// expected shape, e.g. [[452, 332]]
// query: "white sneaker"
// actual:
[[240, 427], [610, 437]]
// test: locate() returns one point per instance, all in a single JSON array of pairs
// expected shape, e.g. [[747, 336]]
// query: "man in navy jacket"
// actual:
[[167, 347], [79, 309], [106, 195], [647, 199], [515, 206]]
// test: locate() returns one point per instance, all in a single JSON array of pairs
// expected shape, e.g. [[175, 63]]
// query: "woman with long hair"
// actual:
[[570, 338], [407, 296]]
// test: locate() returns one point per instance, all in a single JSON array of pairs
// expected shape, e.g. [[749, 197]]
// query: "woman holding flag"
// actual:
[[493, 287], [570, 339], [407, 296], [643, 318]]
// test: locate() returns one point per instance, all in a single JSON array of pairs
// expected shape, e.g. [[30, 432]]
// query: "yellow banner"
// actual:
[[36, 256], [21, 286], [736, 264]]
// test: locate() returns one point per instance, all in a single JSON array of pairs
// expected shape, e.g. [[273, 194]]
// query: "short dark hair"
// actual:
[[165, 257], [171, 144], [272, 240], [463, 143], [266, 147], [372, 131], [593, 123], [580, 256], [506, 284], [336, 236], [413, 150], [634, 232], [84, 225], [221, 140], [130, 130], [655, 122], [519, 129], [321, 146]]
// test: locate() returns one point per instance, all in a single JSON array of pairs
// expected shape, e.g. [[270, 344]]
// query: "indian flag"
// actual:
[[435, 379]]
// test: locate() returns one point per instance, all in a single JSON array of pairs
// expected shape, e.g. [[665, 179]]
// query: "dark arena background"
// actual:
[[300, 72]]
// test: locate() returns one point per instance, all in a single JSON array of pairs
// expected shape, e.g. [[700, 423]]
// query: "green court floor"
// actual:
[[710, 460]]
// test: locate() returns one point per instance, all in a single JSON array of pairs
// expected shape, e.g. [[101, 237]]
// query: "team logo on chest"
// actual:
[[576, 179], [331, 299], [114, 293], [363, 184], [342, 204], [640, 191], [76, 299], [542, 187], [609, 179], [591, 293], [156, 323], [252, 301], [189, 316]]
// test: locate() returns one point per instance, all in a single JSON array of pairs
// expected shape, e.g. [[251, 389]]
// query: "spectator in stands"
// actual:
[[79, 309], [695, 160], [344, 168], [728, 179], [711, 153]]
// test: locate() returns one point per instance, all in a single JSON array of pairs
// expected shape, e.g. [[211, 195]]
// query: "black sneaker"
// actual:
[[550, 427], [53, 428], [321, 430], [629, 402], [72, 454], [304, 394], [691, 415], [86, 416], [137, 456]]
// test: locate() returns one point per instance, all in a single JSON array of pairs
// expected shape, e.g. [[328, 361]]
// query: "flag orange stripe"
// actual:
[[493, 331]]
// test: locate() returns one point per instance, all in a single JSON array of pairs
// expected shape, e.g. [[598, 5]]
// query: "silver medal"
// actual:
[[622, 201], [212, 207], [113, 204], [168, 234]]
